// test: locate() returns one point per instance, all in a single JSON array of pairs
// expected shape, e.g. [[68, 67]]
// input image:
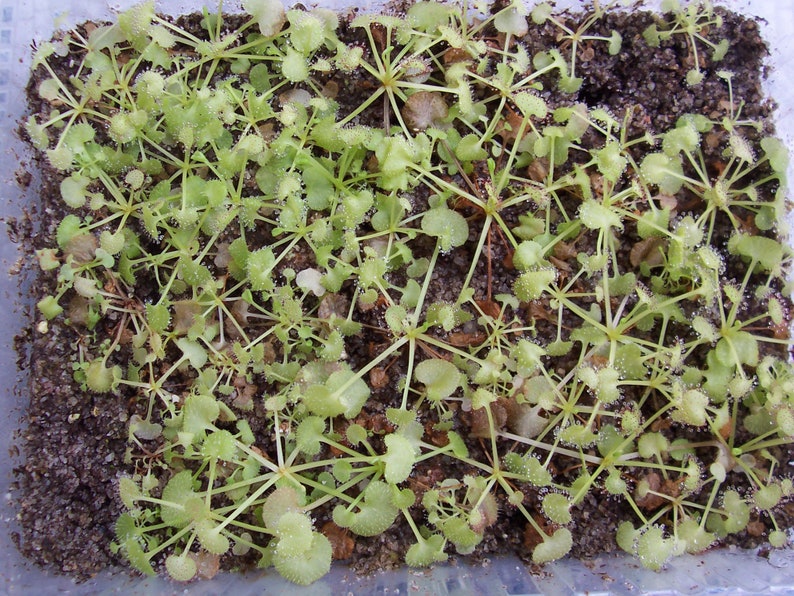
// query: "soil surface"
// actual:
[[75, 443]]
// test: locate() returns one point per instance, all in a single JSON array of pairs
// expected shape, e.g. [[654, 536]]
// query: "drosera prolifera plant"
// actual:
[[693, 21], [460, 300]]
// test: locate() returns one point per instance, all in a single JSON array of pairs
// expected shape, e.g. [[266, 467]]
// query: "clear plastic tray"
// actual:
[[723, 571]]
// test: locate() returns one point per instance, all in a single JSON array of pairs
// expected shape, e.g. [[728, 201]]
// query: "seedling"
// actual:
[[692, 21]]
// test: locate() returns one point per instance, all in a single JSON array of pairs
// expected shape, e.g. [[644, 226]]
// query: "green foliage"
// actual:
[[310, 565], [342, 393], [448, 226], [182, 568], [555, 506], [694, 22], [654, 549], [326, 270], [440, 378], [553, 547], [268, 14], [397, 459], [532, 284], [101, 378], [664, 171], [426, 552], [375, 513]]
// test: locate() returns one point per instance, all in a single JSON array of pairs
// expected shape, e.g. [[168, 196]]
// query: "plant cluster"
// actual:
[[311, 298]]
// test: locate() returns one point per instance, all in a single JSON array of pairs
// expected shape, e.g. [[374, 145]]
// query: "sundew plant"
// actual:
[[353, 276]]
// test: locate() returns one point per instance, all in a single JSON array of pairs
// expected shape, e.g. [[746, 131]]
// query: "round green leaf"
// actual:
[[664, 171], [294, 531], [310, 566], [449, 226], [399, 458], [440, 378], [554, 547], [182, 568]]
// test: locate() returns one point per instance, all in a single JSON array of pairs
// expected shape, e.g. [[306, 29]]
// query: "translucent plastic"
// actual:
[[720, 571]]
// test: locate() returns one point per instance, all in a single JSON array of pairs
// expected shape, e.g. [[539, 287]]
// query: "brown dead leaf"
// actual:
[[669, 487], [726, 106], [376, 423], [268, 131], [490, 308], [747, 225], [185, 313], [508, 128], [424, 478], [245, 397], [712, 140], [335, 451], [82, 248], [379, 36], [651, 501], [330, 89], [364, 306], [597, 183], [453, 55], [531, 536], [648, 251], [781, 331], [562, 266], [424, 109], [77, 311], [239, 311], [378, 378], [125, 336], [718, 166], [538, 310], [756, 528], [481, 426], [538, 170], [726, 430], [564, 251], [460, 339], [667, 202], [342, 543], [524, 419], [207, 564], [661, 424], [333, 305], [439, 438]]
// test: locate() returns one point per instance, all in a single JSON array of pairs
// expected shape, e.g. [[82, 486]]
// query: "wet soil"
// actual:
[[75, 443]]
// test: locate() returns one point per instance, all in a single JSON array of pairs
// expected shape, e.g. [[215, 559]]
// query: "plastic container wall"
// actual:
[[725, 571]]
